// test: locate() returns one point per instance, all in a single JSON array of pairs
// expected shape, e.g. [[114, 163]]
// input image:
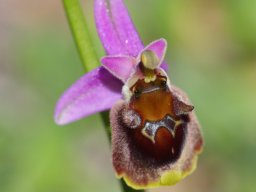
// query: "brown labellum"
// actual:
[[154, 122], [153, 133]]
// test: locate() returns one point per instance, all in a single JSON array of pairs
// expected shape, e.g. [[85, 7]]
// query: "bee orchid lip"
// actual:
[[145, 164]]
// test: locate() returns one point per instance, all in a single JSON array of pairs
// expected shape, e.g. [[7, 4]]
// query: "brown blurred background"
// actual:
[[212, 56]]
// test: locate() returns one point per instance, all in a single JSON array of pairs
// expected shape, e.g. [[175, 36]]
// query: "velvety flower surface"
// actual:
[[155, 134]]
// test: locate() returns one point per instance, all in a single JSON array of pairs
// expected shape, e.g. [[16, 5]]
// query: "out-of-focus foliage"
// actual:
[[212, 56]]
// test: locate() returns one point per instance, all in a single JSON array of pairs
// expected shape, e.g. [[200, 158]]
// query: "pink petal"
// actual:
[[159, 47], [106, 29], [96, 91], [125, 28], [119, 66], [164, 66]]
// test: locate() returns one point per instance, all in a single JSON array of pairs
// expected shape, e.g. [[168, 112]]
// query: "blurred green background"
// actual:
[[212, 56]]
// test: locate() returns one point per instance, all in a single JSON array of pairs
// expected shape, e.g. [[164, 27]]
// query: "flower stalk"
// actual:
[[77, 24], [90, 61]]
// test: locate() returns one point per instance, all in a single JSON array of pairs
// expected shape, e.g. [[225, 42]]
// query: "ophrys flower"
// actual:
[[155, 134]]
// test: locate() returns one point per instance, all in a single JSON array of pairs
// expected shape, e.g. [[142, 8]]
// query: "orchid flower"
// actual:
[[155, 134]]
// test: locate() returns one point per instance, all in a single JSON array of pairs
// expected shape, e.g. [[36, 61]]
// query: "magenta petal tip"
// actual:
[[96, 91]]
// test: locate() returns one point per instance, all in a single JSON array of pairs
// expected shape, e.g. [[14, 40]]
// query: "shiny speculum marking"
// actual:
[[150, 129]]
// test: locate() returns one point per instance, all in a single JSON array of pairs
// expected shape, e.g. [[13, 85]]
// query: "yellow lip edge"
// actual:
[[168, 178]]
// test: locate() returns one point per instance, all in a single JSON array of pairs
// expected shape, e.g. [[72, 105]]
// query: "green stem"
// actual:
[[81, 35], [88, 55]]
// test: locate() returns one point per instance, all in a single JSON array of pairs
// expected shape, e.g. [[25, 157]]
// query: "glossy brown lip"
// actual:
[[161, 132], [161, 141], [137, 158]]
